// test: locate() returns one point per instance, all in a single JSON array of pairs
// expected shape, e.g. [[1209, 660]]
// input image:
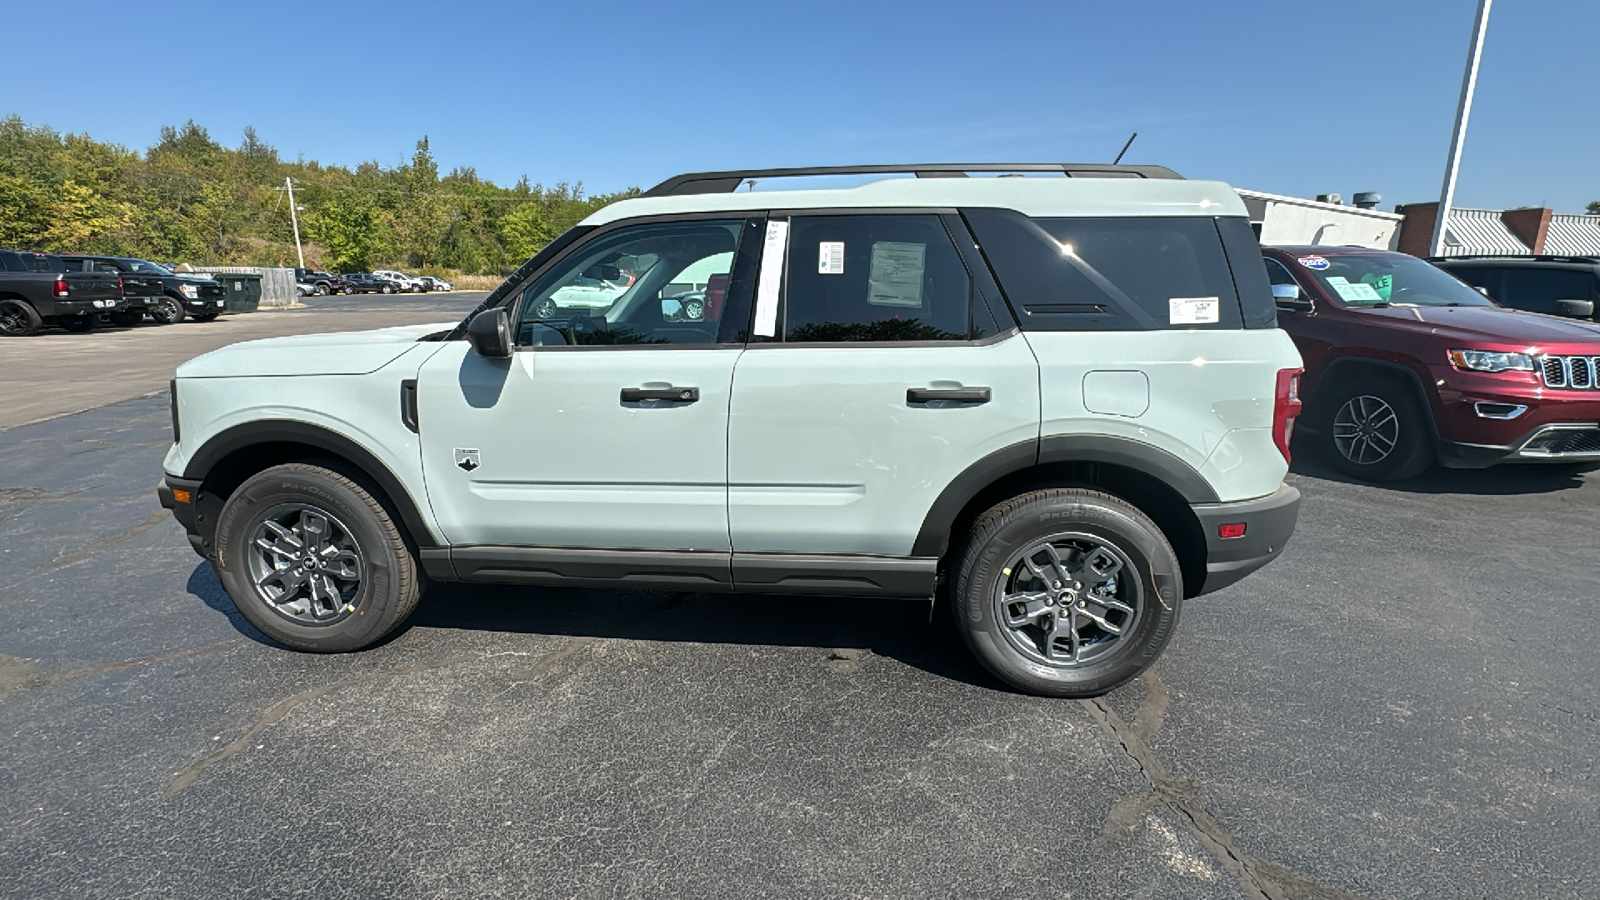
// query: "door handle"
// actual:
[[670, 394], [973, 395]]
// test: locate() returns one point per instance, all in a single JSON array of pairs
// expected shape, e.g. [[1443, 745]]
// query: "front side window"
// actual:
[[875, 278], [644, 284]]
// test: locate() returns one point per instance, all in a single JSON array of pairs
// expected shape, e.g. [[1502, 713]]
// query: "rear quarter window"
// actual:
[[1121, 274]]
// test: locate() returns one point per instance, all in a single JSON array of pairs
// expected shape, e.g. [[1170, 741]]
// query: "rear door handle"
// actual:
[[973, 395], [670, 394]]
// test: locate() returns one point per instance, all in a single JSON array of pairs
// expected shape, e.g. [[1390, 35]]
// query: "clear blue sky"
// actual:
[[1293, 98]]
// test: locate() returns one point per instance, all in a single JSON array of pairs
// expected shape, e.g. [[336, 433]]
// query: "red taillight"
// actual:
[[1285, 408], [61, 286]]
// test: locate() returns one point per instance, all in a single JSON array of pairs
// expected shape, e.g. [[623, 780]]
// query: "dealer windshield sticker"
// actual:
[[1313, 262], [830, 258], [1192, 310], [771, 278], [1360, 292]]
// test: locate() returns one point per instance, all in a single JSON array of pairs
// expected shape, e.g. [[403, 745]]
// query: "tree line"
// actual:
[[191, 199]]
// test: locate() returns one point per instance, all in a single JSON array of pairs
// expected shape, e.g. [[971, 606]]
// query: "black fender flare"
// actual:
[[1125, 452], [249, 434]]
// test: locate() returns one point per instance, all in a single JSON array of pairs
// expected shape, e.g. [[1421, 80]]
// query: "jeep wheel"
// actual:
[[1066, 593], [166, 311], [314, 561], [1377, 431], [126, 318], [18, 319], [77, 324]]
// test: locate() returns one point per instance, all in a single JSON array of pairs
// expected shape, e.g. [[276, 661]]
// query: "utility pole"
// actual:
[[294, 219], [1452, 166]]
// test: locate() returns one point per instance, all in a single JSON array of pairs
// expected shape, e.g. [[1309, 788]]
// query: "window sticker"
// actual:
[[771, 279], [830, 258], [896, 274], [1193, 310], [1314, 262], [1360, 292]]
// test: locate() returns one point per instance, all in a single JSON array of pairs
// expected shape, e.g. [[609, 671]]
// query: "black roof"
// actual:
[[1500, 259]]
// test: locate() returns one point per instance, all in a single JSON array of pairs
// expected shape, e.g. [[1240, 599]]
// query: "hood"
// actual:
[[343, 353], [186, 276], [1485, 325]]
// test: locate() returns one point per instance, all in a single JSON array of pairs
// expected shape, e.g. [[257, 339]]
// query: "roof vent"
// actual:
[[1335, 199], [1367, 199]]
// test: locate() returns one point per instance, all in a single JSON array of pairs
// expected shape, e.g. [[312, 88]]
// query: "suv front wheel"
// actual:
[[1377, 431], [312, 559], [1066, 593]]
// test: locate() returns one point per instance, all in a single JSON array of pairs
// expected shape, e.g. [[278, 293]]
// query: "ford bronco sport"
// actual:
[[1062, 402]]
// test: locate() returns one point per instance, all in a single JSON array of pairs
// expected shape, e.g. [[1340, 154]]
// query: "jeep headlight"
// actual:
[[189, 290], [1491, 361]]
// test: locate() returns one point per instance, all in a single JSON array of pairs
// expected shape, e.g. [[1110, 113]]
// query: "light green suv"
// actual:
[[1061, 402]]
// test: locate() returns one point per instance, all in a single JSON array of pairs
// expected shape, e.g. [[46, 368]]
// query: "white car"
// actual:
[[408, 283]]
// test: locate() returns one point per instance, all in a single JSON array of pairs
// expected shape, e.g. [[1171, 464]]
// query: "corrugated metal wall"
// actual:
[[277, 285]]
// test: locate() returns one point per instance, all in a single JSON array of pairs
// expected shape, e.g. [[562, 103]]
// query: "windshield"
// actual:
[[1363, 281], [139, 265]]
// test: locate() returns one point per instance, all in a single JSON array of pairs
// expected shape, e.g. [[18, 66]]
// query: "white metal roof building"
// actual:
[[1479, 231], [1572, 236]]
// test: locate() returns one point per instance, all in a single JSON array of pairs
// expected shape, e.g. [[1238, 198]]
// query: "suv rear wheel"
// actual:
[[1066, 593], [1377, 431], [312, 559]]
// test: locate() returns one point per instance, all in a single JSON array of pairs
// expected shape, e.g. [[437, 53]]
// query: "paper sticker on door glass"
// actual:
[[895, 278], [1193, 310], [830, 258], [1314, 262]]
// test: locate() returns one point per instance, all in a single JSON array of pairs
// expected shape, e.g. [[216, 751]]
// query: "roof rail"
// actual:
[[1537, 257], [724, 182]]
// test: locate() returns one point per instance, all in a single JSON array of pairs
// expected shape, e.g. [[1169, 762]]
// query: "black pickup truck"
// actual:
[[199, 297], [319, 283], [37, 290]]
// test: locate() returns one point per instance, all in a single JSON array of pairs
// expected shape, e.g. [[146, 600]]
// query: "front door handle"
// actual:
[[973, 395], [669, 394]]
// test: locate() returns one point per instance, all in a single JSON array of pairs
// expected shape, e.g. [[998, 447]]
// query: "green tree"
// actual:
[[1593, 208], [348, 228]]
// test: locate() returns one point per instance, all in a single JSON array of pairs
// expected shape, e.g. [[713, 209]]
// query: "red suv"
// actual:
[[1406, 366]]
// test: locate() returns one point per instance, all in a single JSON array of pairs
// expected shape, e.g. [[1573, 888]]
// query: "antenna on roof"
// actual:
[[1125, 149]]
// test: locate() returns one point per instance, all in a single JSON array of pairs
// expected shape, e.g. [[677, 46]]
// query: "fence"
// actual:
[[277, 285]]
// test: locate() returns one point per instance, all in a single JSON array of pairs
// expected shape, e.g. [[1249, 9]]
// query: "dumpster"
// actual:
[[241, 293]]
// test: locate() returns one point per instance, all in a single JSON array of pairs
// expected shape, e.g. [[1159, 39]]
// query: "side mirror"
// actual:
[[1288, 297], [1575, 309], [489, 333]]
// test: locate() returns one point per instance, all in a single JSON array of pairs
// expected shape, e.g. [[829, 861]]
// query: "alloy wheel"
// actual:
[[1068, 600], [12, 319], [1366, 430], [305, 564]]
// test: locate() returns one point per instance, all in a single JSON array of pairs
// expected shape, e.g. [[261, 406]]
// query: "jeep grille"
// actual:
[[1579, 373]]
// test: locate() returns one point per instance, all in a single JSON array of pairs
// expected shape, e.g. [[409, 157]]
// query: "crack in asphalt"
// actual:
[[156, 518], [16, 672], [1260, 880]]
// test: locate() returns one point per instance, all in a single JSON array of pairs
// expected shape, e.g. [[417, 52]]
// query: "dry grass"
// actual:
[[475, 282]]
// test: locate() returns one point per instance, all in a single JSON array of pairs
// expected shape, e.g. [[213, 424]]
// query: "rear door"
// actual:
[[876, 375]]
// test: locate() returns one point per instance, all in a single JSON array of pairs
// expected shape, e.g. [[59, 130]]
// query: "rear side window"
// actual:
[[10, 262], [1116, 274], [876, 279], [1537, 290]]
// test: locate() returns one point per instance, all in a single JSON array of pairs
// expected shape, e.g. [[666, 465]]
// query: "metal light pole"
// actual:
[[1469, 81], [295, 221]]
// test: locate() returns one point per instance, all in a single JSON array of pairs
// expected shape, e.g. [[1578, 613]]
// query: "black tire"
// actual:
[[166, 310], [320, 290], [1375, 429], [125, 318], [204, 317], [391, 581], [77, 324], [388, 289], [1146, 580], [18, 318]]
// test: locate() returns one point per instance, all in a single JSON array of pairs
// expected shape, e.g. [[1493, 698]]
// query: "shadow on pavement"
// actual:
[[1513, 478], [203, 583]]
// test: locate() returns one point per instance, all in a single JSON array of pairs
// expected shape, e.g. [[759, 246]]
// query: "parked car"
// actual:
[[199, 297], [1407, 366], [438, 284], [366, 283], [310, 281], [1027, 426], [407, 283], [36, 291], [1558, 285]]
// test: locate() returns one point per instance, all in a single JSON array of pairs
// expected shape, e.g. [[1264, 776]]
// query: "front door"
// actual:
[[607, 429]]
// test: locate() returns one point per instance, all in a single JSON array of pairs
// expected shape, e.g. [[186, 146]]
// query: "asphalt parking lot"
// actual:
[[1404, 705]]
